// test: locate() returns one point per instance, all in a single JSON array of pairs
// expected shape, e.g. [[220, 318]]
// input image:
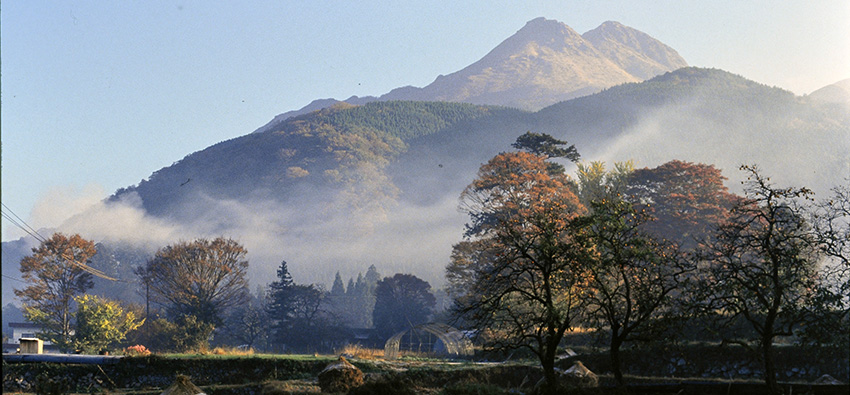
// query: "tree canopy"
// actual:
[[57, 271], [529, 294], [687, 200], [101, 323], [542, 144], [299, 318], [401, 302], [762, 265], [201, 278]]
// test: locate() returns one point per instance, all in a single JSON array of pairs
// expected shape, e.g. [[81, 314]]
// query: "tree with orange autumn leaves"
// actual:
[[57, 271], [687, 201], [529, 294], [201, 278]]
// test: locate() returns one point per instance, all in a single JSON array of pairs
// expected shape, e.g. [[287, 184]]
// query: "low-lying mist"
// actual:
[[316, 242], [789, 148]]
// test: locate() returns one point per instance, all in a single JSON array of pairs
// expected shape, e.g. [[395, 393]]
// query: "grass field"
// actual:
[[236, 372]]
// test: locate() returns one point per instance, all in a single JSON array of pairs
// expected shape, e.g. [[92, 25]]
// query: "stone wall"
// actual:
[[793, 363]]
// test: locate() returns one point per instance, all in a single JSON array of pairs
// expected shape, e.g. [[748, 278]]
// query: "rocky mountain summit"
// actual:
[[634, 51], [543, 63]]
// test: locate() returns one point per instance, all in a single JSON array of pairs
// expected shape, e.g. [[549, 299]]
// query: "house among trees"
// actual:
[[25, 330]]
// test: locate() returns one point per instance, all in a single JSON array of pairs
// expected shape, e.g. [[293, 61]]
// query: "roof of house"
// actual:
[[23, 325]]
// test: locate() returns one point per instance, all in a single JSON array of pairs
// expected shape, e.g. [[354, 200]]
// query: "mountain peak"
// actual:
[[613, 25], [633, 50], [543, 32], [838, 92], [542, 27], [530, 42], [546, 62]]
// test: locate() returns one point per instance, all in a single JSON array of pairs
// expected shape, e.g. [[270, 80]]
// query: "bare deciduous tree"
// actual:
[[201, 278]]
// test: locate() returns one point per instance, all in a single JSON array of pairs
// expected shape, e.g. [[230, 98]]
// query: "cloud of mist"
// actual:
[[412, 239], [56, 206], [121, 221], [315, 241], [818, 159]]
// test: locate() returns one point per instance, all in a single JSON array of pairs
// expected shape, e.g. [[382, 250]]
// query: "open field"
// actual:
[[296, 374]]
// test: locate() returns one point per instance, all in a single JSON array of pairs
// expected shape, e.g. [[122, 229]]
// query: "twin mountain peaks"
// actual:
[[543, 63]]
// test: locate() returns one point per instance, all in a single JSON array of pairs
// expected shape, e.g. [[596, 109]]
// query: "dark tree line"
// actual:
[[353, 304], [305, 318]]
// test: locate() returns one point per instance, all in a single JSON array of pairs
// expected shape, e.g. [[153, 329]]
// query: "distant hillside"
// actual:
[[541, 64], [715, 117], [13, 251], [694, 114], [328, 150], [837, 93], [377, 160]]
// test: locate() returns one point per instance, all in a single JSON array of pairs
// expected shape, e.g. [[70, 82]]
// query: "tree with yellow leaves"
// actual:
[[101, 323]]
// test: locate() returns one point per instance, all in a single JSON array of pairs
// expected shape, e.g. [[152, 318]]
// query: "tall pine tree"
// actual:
[[281, 304]]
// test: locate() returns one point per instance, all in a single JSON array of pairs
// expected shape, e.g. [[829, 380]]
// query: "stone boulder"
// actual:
[[827, 379], [340, 376], [578, 376], [183, 386]]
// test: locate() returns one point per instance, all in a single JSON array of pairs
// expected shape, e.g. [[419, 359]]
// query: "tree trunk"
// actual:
[[547, 361], [66, 329], [550, 383], [616, 342], [769, 365]]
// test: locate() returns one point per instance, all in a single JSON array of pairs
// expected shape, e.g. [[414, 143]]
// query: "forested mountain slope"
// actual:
[[328, 150]]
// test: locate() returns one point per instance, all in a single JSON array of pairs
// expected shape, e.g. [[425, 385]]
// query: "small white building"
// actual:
[[26, 330]]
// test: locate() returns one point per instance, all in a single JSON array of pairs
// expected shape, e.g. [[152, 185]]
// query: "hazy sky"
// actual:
[[97, 95]]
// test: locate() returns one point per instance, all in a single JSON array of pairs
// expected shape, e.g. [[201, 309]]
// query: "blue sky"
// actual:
[[98, 95]]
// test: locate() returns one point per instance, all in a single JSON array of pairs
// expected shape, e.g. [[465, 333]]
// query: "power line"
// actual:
[[20, 223], [12, 278], [10, 216]]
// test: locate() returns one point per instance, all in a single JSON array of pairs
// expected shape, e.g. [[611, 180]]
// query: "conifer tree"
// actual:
[[338, 289], [281, 301]]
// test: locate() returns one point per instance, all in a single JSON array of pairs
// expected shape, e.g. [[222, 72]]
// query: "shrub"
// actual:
[[186, 333], [45, 385], [136, 351], [358, 351], [232, 351]]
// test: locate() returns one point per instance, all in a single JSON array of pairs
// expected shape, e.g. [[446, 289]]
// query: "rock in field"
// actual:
[[340, 376], [578, 376], [182, 386]]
